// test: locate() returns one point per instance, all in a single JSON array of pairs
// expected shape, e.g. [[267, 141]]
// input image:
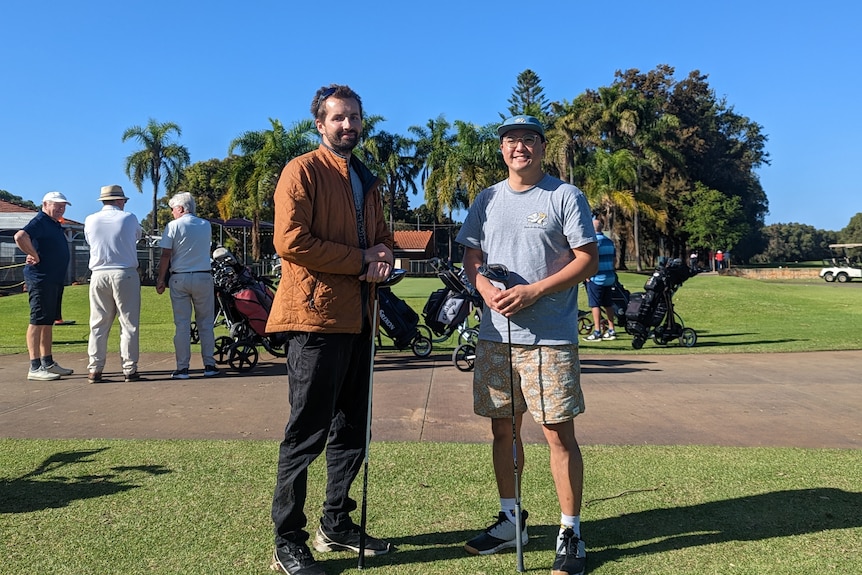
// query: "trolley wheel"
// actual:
[[464, 357], [222, 348], [425, 331], [469, 335], [195, 335], [243, 356], [688, 337], [585, 325], [421, 346], [637, 342]]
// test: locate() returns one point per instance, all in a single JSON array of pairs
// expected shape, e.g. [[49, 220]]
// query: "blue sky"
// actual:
[[75, 75]]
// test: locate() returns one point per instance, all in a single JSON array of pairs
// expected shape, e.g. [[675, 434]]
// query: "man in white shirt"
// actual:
[[186, 252], [115, 285]]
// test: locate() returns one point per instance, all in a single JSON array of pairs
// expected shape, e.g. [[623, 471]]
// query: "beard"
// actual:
[[342, 141]]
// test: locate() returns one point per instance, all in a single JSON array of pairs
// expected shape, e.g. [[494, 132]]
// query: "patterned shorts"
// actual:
[[547, 381]]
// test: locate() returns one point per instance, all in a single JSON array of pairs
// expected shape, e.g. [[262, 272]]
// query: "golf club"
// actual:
[[364, 513], [500, 273]]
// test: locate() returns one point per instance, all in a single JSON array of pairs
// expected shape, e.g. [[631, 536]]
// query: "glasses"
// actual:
[[529, 140]]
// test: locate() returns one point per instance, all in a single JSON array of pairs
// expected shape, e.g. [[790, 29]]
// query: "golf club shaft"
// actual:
[[519, 544], [364, 513]]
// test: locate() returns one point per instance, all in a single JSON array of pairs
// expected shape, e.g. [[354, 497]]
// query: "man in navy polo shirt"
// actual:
[[47, 251]]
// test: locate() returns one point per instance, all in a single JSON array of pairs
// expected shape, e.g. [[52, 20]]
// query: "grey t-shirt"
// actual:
[[532, 233]]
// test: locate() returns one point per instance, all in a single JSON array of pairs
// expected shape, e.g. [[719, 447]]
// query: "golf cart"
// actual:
[[845, 263]]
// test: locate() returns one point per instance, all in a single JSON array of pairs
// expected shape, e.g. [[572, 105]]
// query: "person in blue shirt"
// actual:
[[47, 258], [599, 286]]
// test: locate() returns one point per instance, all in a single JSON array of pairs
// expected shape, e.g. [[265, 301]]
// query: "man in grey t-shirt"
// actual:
[[541, 229]]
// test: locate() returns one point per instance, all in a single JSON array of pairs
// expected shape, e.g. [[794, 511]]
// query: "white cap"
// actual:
[[55, 197]]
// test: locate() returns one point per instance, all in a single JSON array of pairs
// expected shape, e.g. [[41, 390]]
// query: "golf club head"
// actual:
[[495, 272]]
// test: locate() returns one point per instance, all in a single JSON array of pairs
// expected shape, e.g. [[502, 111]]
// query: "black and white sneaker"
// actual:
[[571, 554], [502, 534], [349, 541], [295, 559]]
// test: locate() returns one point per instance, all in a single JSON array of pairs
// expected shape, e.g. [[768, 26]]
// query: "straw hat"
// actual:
[[113, 192]]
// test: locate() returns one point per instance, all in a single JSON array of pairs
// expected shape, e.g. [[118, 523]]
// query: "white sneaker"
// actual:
[[42, 374], [58, 369], [595, 336], [610, 335]]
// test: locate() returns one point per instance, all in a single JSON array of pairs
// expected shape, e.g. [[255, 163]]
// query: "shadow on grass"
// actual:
[[751, 518], [34, 492]]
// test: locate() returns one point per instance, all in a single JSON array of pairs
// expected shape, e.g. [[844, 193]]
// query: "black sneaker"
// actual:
[[180, 373], [349, 541], [502, 534], [295, 559], [571, 554], [134, 376]]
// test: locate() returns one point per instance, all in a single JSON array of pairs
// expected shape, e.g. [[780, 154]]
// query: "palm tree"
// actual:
[[255, 172], [469, 165], [433, 145], [637, 122], [158, 157], [388, 155]]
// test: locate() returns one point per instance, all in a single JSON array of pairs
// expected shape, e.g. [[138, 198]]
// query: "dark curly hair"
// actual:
[[333, 90]]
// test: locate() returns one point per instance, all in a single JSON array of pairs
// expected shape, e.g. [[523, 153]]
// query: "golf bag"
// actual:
[[447, 308], [651, 314], [243, 303], [397, 319]]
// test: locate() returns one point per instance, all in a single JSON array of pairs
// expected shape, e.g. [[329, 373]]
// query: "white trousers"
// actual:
[[115, 294], [193, 290]]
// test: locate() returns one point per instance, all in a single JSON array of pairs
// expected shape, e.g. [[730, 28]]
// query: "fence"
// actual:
[[78, 272]]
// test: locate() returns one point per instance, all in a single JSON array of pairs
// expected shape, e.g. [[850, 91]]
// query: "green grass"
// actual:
[[729, 314], [95, 507], [189, 507]]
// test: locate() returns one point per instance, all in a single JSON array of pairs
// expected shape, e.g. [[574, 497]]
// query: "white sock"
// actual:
[[573, 521], [507, 506]]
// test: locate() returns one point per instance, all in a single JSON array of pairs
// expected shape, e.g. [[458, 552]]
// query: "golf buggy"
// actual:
[[844, 265]]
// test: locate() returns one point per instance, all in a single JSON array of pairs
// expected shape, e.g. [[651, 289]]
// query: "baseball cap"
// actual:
[[521, 122], [55, 197]]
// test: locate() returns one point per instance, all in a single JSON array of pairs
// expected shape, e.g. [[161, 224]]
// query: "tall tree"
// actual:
[[715, 220], [721, 149], [528, 97], [209, 182], [635, 120], [472, 164], [852, 234], [254, 172], [389, 156], [433, 144], [159, 157]]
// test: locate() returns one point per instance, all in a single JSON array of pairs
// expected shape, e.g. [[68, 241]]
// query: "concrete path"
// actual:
[[809, 400]]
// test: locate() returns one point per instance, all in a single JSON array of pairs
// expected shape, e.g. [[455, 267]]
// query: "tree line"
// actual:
[[669, 165]]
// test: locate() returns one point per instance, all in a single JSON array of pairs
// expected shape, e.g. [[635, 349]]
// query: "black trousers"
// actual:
[[328, 377]]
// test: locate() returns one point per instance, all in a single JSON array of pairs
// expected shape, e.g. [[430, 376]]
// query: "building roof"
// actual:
[[413, 240], [15, 217], [9, 207]]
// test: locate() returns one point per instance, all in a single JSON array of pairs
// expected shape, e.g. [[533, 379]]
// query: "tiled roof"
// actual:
[[413, 240], [9, 207]]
